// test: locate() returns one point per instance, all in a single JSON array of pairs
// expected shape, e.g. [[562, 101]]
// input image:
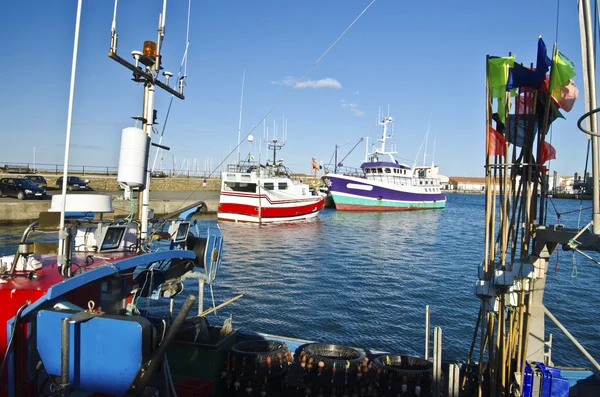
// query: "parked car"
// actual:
[[73, 183], [20, 188], [39, 180]]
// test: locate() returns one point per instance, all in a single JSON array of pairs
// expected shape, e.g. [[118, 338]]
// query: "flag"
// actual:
[[562, 71], [568, 95], [524, 102], [496, 144], [520, 76], [548, 152], [543, 62], [498, 74], [521, 128], [497, 78], [540, 109], [315, 166]]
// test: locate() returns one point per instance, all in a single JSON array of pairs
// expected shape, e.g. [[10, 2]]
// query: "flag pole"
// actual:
[[484, 315], [542, 136]]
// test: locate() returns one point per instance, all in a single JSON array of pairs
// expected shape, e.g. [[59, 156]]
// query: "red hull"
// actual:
[[276, 210]]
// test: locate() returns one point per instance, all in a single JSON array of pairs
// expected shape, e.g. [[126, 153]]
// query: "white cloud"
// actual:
[[353, 108], [327, 82]]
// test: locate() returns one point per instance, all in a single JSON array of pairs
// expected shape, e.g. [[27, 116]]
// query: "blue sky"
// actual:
[[425, 59]]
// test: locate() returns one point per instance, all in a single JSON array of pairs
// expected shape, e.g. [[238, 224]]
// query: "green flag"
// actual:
[[497, 78], [498, 74], [562, 71]]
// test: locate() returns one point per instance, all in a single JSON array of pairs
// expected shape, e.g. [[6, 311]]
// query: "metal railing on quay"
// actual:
[[91, 170]]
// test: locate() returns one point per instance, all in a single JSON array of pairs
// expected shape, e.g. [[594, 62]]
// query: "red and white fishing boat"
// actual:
[[255, 193]]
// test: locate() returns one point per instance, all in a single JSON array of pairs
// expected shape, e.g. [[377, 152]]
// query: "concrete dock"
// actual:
[[162, 202]]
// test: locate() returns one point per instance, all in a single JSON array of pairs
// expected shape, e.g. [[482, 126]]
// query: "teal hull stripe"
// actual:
[[352, 200]]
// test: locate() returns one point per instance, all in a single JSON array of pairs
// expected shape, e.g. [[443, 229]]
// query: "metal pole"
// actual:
[[437, 361], [62, 246], [453, 381], [593, 123], [335, 172], [64, 357], [427, 332], [200, 296], [148, 115], [572, 338]]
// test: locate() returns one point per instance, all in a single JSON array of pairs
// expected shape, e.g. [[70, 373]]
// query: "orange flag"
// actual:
[[315, 166], [496, 144]]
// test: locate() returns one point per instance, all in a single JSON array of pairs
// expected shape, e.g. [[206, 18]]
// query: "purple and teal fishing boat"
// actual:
[[386, 185]]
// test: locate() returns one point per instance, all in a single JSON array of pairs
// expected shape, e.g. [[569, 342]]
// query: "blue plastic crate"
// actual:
[[527, 381], [554, 385]]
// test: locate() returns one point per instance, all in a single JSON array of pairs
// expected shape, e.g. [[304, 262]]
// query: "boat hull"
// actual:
[[254, 208], [359, 194]]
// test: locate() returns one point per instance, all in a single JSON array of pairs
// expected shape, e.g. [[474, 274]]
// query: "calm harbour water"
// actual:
[[363, 279]]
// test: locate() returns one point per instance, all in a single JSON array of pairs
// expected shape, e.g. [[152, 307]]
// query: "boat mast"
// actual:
[[335, 164], [151, 59], [275, 145]]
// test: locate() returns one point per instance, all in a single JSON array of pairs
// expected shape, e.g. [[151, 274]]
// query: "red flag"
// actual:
[[496, 144], [524, 102], [548, 152]]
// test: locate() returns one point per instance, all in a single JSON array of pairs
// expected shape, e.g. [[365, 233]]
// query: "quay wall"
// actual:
[[15, 211], [29, 210]]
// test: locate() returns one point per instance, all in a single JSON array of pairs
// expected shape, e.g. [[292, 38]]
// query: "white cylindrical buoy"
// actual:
[[133, 158]]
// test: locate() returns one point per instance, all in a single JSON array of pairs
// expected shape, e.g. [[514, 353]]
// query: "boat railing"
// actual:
[[243, 166], [349, 171]]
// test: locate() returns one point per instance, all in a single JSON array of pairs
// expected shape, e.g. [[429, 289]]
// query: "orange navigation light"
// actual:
[[149, 49]]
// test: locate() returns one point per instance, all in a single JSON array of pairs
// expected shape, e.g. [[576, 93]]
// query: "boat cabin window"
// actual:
[[182, 232], [283, 186], [380, 170], [388, 171], [112, 238], [240, 187], [367, 170], [269, 185]]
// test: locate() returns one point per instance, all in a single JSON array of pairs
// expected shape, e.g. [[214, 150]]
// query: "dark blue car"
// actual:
[[21, 188], [73, 183]]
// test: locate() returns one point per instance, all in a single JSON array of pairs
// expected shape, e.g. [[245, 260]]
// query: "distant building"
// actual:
[[466, 183], [556, 184]]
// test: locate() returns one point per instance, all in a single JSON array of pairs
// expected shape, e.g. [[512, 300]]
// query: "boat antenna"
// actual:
[[64, 247], [433, 155], [240, 121], [182, 66], [425, 151], [417, 156], [113, 28]]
